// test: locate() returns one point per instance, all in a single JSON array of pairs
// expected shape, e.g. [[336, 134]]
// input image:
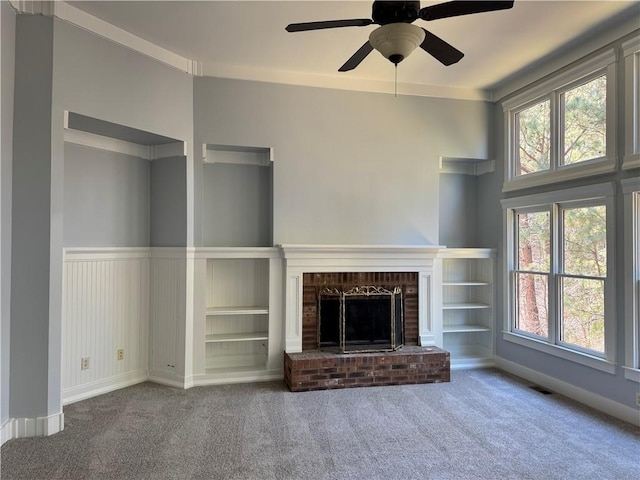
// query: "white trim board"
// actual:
[[593, 400], [226, 378], [31, 427], [75, 16], [6, 431], [100, 387], [146, 152], [466, 166]]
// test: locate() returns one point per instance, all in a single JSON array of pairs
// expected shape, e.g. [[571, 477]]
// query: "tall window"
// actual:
[[563, 128], [533, 272], [582, 276], [560, 289], [533, 130], [631, 190], [631, 53], [583, 110]]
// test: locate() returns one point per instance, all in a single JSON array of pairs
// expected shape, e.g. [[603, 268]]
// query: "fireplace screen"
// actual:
[[363, 319]]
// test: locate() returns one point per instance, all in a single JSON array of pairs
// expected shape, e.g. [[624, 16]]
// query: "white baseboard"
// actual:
[[168, 379], [6, 431], [31, 427], [93, 389], [248, 376], [593, 400], [468, 364]]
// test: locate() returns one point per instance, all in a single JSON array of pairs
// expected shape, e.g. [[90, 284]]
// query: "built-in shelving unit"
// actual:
[[238, 339], [237, 313], [468, 305]]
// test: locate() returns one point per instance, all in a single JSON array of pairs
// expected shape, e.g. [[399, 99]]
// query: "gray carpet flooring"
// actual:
[[483, 425]]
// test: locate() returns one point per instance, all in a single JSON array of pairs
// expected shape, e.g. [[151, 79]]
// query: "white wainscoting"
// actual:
[[168, 364], [105, 308]]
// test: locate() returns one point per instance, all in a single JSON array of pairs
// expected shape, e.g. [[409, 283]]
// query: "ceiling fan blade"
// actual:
[[303, 27], [357, 57], [440, 50], [456, 8]]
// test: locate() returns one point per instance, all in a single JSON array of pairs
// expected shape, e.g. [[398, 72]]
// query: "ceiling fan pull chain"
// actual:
[[395, 83]]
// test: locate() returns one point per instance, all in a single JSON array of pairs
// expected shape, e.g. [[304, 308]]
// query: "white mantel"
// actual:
[[301, 259]]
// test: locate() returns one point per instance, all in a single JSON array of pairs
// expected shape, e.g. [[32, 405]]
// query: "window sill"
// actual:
[[562, 352], [632, 374], [631, 161], [588, 169]]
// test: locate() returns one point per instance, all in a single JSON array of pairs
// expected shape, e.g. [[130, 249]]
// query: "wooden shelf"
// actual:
[[467, 305], [238, 341], [232, 371], [235, 363], [470, 356], [466, 166], [237, 337], [226, 311], [465, 328], [237, 155], [468, 351], [464, 306]]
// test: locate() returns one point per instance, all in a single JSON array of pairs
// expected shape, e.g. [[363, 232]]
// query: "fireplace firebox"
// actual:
[[361, 319]]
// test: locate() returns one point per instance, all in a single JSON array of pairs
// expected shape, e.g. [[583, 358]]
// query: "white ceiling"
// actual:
[[247, 39]]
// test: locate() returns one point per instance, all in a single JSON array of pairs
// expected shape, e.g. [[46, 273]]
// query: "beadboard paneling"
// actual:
[[168, 310], [237, 282], [105, 308]]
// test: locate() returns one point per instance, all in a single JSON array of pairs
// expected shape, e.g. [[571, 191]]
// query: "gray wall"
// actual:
[[100, 79], [349, 167], [7, 70], [169, 202], [458, 211], [106, 198], [491, 234], [60, 67], [31, 370], [238, 205]]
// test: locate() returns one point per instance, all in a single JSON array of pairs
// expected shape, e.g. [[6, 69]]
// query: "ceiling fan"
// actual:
[[396, 38]]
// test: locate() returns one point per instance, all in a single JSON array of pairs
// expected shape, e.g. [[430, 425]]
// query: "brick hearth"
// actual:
[[320, 370]]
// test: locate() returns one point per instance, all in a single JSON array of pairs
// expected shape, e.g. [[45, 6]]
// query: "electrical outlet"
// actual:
[[637, 399], [121, 354], [84, 363]]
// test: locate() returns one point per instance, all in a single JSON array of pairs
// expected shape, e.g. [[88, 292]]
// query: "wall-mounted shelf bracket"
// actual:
[[238, 155], [466, 166]]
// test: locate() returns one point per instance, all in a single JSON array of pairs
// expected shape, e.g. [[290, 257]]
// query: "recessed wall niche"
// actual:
[[237, 196], [124, 192], [124, 187]]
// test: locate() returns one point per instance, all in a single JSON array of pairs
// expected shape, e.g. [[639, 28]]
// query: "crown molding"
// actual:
[[33, 7], [68, 13], [341, 82]]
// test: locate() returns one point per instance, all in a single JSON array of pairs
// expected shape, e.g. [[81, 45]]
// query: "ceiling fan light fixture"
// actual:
[[396, 41]]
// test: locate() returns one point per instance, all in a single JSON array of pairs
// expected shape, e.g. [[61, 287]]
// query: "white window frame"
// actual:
[[631, 53], [600, 194], [512, 278], [553, 88], [631, 191]]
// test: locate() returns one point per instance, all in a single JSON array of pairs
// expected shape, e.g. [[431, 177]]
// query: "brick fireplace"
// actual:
[[309, 267], [313, 283]]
